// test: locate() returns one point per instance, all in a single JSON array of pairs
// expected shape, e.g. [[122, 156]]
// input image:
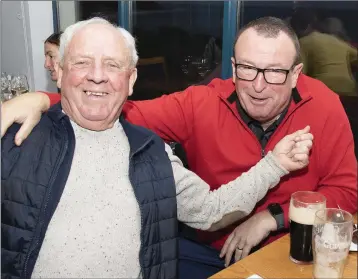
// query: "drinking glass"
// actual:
[[303, 207], [19, 85], [332, 237], [5, 88]]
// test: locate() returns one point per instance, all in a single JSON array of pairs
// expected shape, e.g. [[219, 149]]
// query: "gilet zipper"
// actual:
[[41, 223]]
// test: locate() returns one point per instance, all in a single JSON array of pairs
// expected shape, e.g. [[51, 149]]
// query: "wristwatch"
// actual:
[[276, 211]]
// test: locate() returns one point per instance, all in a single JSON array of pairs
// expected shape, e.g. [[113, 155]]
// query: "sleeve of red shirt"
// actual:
[[170, 116], [54, 97], [337, 163]]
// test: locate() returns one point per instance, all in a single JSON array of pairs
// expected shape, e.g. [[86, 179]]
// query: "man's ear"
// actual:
[[295, 74], [233, 69], [58, 70], [132, 80]]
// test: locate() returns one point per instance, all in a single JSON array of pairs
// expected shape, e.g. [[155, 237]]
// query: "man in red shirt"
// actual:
[[227, 126]]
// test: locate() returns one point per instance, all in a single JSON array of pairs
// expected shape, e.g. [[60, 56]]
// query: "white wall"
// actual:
[[15, 48], [68, 13], [24, 27], [41, 26]]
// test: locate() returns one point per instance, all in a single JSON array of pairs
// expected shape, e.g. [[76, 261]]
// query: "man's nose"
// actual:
[[47, 63], [97, 74], [259, 83]]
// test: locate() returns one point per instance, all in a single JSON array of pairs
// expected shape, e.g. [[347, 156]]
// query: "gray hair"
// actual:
[[69, 32]]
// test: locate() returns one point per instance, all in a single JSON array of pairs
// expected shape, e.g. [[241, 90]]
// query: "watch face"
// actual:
[[275, 209]]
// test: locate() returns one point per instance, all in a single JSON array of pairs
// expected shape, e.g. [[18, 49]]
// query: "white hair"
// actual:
[[69, 32]]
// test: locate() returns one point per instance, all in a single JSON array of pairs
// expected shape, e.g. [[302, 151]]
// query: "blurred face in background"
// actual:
[[51, 58]]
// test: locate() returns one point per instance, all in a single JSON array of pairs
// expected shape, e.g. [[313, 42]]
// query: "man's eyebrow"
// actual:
[[271, 65], [116, 59], [73, 57], [276, 65], [244, 61]]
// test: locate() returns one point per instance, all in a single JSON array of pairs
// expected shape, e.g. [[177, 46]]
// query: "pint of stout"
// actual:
[[303, 207]]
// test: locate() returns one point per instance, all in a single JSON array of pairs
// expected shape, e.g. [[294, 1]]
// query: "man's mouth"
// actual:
[[258, 99], [93, 93]]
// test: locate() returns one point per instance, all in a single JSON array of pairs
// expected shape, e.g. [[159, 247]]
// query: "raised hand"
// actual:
[[25, 109], [292, 151]]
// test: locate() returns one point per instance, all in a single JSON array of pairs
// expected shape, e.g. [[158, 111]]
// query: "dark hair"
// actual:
[[302, 19], [334, 26], [54, 39], [270, 27]]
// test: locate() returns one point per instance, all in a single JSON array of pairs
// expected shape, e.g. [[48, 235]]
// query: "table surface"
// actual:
[[273, 261]]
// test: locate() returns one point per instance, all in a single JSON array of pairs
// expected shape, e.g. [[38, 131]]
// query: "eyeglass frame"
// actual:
[[260, 70]]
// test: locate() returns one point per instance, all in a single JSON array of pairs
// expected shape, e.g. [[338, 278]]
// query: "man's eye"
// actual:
[[81, 63], [113, 65]]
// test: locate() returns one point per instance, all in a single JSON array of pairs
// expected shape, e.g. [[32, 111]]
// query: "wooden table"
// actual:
[[273, 261]]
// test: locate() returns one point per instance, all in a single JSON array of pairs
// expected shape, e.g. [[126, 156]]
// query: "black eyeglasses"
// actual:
[[271, 76]]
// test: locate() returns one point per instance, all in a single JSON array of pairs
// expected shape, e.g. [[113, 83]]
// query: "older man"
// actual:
[[90, 196]]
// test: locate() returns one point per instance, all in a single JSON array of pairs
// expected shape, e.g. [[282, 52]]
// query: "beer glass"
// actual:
[[302, 212], [332, 237]]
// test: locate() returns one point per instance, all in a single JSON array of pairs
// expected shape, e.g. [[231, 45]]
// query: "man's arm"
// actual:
[[54, 97], [211, 210], [203, 209], [337, 162], [170, 116]]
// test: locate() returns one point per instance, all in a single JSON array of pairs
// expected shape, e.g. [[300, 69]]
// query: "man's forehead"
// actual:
[[98, 33], [251, 36], [95, 40], [252, 46]]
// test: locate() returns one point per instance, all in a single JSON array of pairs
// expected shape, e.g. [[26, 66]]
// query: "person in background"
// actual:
[[90, 195], [51, 48], [326, 56], [335, 27], [227, 126]]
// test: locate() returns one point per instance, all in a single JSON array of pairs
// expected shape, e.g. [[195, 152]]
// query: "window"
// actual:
[[179, 44]]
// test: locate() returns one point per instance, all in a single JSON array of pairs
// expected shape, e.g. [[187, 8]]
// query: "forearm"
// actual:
[[211, 210]]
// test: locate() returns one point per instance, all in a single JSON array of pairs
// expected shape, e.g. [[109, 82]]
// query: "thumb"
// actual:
[[25, 130]]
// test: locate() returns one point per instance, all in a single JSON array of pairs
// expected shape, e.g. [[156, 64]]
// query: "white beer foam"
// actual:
[[304, 215]]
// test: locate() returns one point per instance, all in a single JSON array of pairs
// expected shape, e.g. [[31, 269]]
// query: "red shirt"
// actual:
[[220, 147]]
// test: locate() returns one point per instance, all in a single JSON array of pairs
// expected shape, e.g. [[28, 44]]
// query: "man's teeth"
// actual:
[[95, 93]]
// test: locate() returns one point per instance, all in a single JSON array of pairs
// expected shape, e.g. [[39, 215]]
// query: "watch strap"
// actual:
[[277, 213]]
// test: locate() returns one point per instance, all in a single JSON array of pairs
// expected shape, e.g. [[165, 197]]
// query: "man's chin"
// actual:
[[94, 123], [95, 117]]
